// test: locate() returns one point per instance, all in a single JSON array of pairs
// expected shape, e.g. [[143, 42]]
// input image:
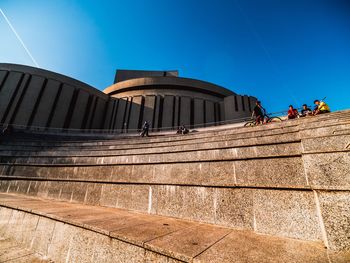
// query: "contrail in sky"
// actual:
[[19, 38]]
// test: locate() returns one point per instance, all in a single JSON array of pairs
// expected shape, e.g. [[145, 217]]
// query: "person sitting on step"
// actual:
[[182, 130], [321, 107], [306, 111], [292, 113]]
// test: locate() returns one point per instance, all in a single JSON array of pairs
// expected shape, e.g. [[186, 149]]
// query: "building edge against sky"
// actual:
[[33, 97]]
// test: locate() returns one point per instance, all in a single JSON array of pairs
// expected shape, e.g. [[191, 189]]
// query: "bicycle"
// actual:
[[267, 119]]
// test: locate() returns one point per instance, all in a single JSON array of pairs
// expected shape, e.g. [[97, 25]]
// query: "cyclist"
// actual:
[[321, 107], [292, 113], [258, 113]]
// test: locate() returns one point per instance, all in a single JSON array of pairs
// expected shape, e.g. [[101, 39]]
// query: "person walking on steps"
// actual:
[[145, 128]]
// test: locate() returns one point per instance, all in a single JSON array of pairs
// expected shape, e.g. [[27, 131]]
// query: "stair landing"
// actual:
[[164, 238]]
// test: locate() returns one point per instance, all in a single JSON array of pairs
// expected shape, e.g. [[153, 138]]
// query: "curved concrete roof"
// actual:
[[170, 82], [52, 75]]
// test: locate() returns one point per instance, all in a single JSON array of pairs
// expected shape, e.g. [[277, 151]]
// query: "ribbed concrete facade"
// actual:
[[32, 97], [40, 98]]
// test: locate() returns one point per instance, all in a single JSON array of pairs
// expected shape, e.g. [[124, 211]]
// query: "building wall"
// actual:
[[31, 97], [169, 111], [36, 98]]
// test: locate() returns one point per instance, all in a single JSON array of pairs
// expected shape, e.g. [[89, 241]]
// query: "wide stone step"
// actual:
[[281, 171], [80, 233], [210, 143], [334, 117], [191, 155], [295, 213], [164, 148], [145, 142], [285, 145], [226, 129], [119, 145]]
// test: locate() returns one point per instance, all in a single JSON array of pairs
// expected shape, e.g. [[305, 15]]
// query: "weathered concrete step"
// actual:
[[11, 251], [281, 134], [317, 171], [210, 143], [335, 140], [192, 155], [295, 213], [281, 172], [275, 137], [113, 235], [141, 143], [256, 142], [165, 148], [222, 130], [254, 130], [224, 150]]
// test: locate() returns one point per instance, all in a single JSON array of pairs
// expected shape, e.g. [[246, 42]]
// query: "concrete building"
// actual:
[[32, 97]]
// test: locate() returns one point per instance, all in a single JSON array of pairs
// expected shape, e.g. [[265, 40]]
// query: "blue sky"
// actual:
[[281, 51]]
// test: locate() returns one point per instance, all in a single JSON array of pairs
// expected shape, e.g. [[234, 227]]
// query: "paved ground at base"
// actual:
[[12, 252], [179, 239]]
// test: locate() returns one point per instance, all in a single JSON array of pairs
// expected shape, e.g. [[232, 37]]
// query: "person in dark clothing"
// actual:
[[182, 130], [145, 128], [258, 113], [6, 130], [292, 113], [306, 111]]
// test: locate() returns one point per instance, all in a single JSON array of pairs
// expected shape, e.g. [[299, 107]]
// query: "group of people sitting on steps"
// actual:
[[259, 113], [320, 108]]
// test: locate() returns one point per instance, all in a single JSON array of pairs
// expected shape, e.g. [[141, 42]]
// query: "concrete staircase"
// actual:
[[257, 188]]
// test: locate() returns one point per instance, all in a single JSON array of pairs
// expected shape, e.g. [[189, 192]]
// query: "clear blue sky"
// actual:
[[281, 51]]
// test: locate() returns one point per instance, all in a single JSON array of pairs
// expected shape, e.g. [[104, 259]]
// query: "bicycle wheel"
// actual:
[[249, 124], [275, 119]]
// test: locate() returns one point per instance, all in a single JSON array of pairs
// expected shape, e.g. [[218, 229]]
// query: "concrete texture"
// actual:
[[198, 111], [47, 101], [243, 246], [168, 106], [135, 113], [328, 170], [76, 121], [276, 180], [62, 106], [287, 213], [126, 236], [26, 105], [185, 112], [11, 251], [149, 108], [209, 112], [7, 92], [335, 209]]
